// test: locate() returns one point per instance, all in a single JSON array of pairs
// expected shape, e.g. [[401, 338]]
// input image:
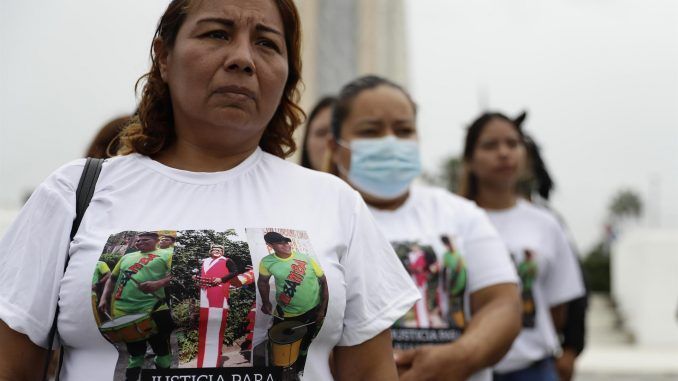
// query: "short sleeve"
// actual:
[[487, 258], [116, 269], [263, 270], [378, 289], [316, 268], [564, 281], [33, 254], [103, 268]]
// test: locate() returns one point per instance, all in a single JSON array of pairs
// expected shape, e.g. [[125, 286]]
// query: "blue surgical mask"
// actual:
[[383, 167]]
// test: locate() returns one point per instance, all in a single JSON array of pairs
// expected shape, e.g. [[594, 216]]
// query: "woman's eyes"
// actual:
[[217, 34], [494, 144], [405, 131], [224, 35], [265, 42], [368, 132]]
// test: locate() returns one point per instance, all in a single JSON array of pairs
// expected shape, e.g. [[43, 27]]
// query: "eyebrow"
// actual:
[[230, 24]]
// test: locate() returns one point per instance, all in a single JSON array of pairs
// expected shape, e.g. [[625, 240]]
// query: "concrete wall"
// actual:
[[644, 271]]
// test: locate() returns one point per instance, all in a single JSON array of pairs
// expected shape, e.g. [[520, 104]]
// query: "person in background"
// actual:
[[314, 145], [106, 142], [494, 162], [375, 149], [216, 119], [537, 187]]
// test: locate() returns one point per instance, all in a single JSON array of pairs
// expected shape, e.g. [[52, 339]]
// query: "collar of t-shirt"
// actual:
[[202, 177]]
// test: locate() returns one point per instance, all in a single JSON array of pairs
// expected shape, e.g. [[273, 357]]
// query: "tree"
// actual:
[[449, 174], [626, 203]]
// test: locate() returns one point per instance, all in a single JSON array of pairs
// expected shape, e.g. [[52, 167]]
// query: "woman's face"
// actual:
[[376, 113], [226, 71], [318, 135], [499, 155]]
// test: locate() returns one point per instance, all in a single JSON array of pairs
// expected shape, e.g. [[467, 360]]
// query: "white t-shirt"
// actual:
[[329, 228], [550, 276], [445, 275]]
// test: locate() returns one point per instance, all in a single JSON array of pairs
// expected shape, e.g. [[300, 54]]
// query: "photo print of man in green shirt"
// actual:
[[300, 291]]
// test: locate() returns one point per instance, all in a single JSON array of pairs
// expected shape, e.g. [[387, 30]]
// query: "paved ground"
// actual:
[[610, 354]]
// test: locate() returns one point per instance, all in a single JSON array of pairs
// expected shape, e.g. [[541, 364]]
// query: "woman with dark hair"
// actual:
[[495, 162], [314, 145], [203, 157], [469, 312], [106, 142], [537, 187]]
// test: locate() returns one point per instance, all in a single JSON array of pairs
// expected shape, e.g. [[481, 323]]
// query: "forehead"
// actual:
[[380, 102], [497, 128], [248, 12]]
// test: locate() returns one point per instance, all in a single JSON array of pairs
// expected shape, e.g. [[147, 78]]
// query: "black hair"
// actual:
[[324, 102], [540, 180], [351, 90]]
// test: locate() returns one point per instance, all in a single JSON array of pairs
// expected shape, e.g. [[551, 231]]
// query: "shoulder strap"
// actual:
[[83, 196]]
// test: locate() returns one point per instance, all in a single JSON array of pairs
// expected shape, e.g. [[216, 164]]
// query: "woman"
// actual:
[[202, 161], [468, 286], [494, 160], [314, 146], [537, 189]]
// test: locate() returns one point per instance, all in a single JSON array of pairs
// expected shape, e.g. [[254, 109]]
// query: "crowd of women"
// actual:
[[419, 283]]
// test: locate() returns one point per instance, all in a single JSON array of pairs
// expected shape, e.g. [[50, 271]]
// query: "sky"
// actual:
[[599, 79]]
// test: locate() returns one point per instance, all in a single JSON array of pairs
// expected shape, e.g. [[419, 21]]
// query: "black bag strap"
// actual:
[[83, 196]]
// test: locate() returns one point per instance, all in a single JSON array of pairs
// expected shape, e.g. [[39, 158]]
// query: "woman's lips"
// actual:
[[237, 92]]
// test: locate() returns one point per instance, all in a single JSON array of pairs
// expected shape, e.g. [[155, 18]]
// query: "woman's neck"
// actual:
[[496, 198], [197, 158], [386, 204]]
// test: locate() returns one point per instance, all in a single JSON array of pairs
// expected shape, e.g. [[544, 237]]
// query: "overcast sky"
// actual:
[[599, 78]]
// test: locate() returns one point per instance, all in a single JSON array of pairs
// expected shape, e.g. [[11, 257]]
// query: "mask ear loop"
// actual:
[[344, 144]]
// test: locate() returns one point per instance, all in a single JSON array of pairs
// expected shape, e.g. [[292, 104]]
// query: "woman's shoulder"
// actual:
[[444, 199], [65, 179], [542, 216]]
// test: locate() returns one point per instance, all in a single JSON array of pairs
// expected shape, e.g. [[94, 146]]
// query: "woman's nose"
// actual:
[[240, 58]]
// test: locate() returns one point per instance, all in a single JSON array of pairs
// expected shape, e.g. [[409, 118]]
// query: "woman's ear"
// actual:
[[161, 53], [331, 156]]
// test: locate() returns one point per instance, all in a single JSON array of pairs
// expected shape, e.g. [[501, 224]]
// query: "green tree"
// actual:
[[448, 175], [626, 203]]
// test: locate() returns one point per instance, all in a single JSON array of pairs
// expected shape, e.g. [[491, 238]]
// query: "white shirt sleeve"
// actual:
[[33, 253], [487, 258], [378, 289], [564, 280]]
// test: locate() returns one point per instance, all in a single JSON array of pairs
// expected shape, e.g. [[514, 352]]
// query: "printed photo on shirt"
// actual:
[[439, 272], [528, 270], [293, 296], [176, 299]]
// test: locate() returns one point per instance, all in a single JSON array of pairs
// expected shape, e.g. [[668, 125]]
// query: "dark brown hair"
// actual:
[[152, 129], [323, 103], [468, 186], [106, 143]]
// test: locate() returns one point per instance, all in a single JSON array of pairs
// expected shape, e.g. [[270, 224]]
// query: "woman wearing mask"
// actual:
[[495, 160], [203, 160], [314, 145], [469, 311]]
